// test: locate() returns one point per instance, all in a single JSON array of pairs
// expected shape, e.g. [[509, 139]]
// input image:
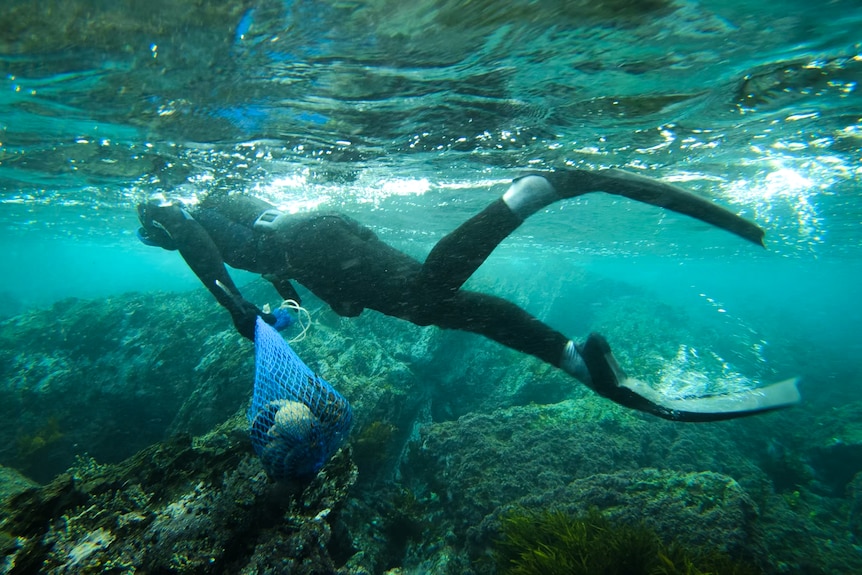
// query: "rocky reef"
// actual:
[[129, 413], [183, 506]]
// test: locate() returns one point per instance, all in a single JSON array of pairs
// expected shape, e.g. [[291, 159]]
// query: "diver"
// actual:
[[347, 266]]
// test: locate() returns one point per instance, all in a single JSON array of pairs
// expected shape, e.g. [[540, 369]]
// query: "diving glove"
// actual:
[[243, 312], [609, 380]]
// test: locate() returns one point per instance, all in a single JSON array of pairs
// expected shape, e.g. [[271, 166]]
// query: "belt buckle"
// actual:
[[267, 220]]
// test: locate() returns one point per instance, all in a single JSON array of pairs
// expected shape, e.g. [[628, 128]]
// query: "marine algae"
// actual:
[[40, 438], [551, 542]]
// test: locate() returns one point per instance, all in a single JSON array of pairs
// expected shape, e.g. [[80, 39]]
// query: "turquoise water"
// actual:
[[412, 116]]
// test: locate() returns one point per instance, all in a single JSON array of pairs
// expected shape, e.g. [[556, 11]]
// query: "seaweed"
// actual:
[[551, 542]]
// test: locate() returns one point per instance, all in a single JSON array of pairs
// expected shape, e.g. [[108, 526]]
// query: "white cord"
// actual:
[[303, 318]]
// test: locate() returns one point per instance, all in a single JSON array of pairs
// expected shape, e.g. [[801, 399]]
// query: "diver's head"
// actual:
[[151, 232]]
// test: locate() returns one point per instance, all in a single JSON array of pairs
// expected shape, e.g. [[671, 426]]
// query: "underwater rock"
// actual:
[[12, 483], [368, 360], [185, 506], [807, 533], [449, 429], [108, 377], [484, 460], [836, 453], [855, 493], [586, 453], [699, 510]]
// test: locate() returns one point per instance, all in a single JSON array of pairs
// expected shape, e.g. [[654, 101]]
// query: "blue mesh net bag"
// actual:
[[297, 419]]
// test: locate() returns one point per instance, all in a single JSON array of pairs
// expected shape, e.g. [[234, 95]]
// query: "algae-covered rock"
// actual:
[[835, 448], [109, 377], [699, 510], [12, 482], [185, 506], [450, 429], [695, 484], [483, 460], [855, 492]]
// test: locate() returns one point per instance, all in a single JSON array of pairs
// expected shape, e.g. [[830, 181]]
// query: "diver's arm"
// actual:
[[203, 257], [195, 245], [284, 288]]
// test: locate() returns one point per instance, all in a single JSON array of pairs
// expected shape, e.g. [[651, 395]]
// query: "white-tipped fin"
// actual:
[[774, 396]]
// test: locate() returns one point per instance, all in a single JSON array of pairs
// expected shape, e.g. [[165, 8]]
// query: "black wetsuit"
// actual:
[[346, 265]]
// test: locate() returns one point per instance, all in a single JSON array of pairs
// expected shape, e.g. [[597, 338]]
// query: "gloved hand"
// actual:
[[244, 314], [283, 318]]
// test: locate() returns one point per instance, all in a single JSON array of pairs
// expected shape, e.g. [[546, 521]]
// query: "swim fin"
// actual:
[[610, 381], [573, 182]]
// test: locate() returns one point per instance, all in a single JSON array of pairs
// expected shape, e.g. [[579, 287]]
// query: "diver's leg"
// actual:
[[455, 257], [507, 324]]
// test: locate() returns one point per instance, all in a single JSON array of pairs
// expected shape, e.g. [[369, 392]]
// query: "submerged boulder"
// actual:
[[105, 378], [855, 492], [109, 377], [12, 483], [695, 485], [184, 506], [698, 510], [450, 430], [835, 448]]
